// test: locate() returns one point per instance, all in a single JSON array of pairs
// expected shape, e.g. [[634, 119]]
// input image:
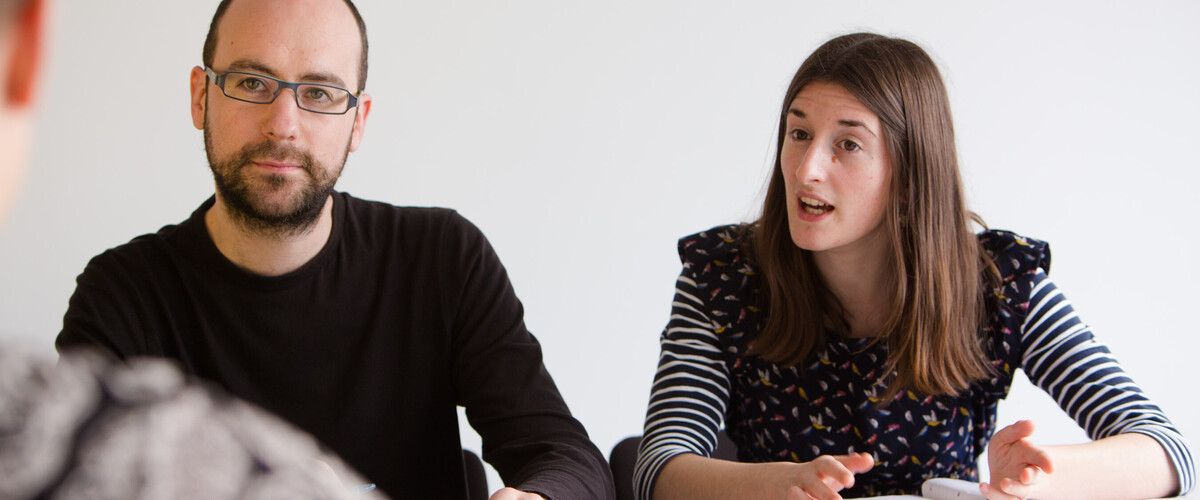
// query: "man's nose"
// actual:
[[283, 116]]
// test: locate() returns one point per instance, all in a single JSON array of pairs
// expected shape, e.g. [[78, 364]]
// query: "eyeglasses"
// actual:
[[260, 89]]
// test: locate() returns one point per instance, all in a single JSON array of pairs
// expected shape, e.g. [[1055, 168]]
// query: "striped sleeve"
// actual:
[[1062, 357], [690, 392]]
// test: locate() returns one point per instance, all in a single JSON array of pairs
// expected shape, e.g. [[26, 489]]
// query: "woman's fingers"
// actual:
[[991, 492]]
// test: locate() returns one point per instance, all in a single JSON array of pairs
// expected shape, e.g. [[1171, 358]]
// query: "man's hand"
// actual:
[[1017, 465], [515, 494]]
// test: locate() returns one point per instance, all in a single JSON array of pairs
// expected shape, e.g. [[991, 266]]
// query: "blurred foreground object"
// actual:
[[88, 428]]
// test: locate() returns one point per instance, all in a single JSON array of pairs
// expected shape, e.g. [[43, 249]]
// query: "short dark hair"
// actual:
[[210, 42]]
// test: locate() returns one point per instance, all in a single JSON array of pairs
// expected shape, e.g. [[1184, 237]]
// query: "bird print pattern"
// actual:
[[829, 403]]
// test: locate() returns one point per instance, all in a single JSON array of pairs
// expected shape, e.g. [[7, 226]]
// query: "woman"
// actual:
[[856, 338]]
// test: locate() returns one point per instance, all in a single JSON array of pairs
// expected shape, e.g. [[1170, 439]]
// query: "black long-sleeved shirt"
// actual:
[[404, 315]]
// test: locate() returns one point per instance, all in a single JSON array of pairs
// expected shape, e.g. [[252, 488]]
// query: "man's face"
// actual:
[[275, 164]]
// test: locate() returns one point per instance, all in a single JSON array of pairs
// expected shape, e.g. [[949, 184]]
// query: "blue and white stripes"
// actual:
[[1083, 377], [692, 389]]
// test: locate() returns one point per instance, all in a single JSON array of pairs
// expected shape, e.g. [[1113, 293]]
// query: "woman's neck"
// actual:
[[862, 283]]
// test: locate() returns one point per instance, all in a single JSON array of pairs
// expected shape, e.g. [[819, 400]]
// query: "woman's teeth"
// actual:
[[814, 206]]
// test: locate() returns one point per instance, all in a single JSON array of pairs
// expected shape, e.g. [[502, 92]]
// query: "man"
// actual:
[[362, 323], [87, 429]]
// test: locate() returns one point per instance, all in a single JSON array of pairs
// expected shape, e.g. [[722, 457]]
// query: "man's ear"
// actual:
[[24, 67], [199, 88], [360, 121]]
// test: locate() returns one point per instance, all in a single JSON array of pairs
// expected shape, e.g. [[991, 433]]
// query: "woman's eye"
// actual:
[[798, 135], [850, 145]]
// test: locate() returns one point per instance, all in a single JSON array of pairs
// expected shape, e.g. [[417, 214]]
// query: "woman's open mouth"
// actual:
[[814, 206]]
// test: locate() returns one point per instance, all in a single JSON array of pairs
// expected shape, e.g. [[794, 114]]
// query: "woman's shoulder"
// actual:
[[1014, 254], [721, 244]]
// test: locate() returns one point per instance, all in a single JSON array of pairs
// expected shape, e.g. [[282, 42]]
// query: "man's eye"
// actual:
[[252, 84], [317, 94]]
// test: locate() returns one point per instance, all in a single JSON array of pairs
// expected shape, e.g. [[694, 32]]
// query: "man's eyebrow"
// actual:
[[845, 123], [247, 64], [311, 77], [322, 77]]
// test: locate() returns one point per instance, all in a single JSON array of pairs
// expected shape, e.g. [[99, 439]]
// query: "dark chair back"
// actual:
[[621, 461], [477, 488], [624, 456]]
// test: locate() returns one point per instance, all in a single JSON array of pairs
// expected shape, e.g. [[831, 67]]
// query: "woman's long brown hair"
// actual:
[[937, 267]]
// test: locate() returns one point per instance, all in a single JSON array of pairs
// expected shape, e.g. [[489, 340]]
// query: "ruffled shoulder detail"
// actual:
[[717, 246], [715, 271], [1015, 255]]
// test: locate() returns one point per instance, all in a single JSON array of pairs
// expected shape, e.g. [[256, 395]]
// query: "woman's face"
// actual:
[[836, 172]]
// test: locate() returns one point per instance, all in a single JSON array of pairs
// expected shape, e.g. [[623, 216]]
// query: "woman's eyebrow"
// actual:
[[856, 123], [844, 122]]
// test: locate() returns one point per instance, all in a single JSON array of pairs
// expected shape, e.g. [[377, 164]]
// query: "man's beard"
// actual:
[[244, 191]]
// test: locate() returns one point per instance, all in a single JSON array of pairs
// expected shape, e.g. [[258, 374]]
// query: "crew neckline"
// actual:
[[210, 258]]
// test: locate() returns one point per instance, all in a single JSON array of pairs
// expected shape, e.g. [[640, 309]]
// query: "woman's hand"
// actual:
[[692, 477], [823, 478], [1018, 467]]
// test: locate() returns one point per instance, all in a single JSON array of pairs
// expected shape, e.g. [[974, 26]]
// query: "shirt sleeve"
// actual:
[[529, 434], [102, 314], [1063, 358], [690, 391]]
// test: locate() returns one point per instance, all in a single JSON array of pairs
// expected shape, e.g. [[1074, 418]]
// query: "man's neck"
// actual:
[[267, 254]]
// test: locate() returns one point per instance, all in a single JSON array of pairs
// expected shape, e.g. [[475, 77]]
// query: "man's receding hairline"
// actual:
[[212, 40]]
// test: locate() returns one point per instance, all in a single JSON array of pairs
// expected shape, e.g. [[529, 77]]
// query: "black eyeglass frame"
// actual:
[[219, 81]]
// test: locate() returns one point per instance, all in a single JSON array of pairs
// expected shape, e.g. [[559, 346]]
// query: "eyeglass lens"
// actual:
[[313, 97]]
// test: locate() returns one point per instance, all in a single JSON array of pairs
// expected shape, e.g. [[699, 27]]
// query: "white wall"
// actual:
[[586, 137]]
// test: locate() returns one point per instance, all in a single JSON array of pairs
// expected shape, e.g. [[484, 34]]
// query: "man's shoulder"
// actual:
[[364, 209], [356, 205], [368, 216], [144, 249]]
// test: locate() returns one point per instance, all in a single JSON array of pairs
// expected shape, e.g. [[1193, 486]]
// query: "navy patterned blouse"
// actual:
[[827, 404]]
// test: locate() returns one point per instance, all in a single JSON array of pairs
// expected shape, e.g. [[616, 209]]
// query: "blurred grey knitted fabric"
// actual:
[[88, 428]]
